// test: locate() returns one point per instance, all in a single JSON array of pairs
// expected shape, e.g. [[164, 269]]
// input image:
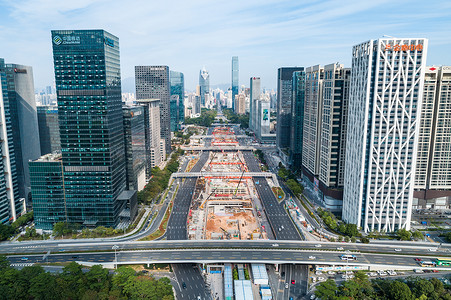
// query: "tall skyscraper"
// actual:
[[177, 80], [152, 82], [297, 119], [255, 92], [174, 110], [135, 147], [24, 120], [385, 99], [49, 129], [334, 118], [88, 84], [11, 205], [313, 105], [235, 79], [433, 168], [152, 131], [284, 104], [204, 84]]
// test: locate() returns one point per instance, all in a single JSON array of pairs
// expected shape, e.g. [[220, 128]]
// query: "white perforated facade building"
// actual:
[[385, 100]]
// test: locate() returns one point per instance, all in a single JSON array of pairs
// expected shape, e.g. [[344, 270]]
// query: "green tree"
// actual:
[[352, 230], [6, 231], [365, 240], [294, 186], [404, 235], [417, 235], [122, 275], [97, 278], [326, 290], [420, 286], [4, 263], [398, 290], [43, 286]]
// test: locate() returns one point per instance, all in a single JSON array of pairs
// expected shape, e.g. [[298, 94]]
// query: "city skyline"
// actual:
[[280, 34]]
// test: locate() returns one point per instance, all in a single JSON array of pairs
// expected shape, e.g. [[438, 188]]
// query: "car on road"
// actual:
[[275, 245], [340, 249], [398, 250], [286, 285], [184, 285], [311, 257], [435, 271], [321, 278], [331, 273], [318, 245], [432, 249], [312, 297], [417, 259], [318, 273], [24, 258]]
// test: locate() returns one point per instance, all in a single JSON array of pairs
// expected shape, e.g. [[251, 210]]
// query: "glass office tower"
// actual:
[[177, 81], [235, 79], [284, 102], [88, 84], [297, 119], [135, 147], [10, 204], [49, 129], [24, 121]]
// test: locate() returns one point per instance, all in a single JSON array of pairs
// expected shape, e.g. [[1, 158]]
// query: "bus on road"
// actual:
[[443, 262], [427, 263], [348, 257]]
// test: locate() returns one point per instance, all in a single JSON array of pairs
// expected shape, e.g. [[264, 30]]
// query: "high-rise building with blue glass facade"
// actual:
[[174, 109], [10, 205], [24, 121], [204, 84], [88, 85], [177, 81], [49, 128], [47, 189], [235, 79], [297, 119], [135, 147], [284, 103]]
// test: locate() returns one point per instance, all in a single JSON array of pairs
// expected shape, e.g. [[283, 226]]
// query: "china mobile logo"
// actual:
[[398, 47]]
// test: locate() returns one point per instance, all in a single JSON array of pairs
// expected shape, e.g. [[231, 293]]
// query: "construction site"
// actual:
[[223, 206]]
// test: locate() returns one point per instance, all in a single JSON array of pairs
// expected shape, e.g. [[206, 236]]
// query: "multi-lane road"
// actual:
[[282, 226], [266, 256], [176, 228]]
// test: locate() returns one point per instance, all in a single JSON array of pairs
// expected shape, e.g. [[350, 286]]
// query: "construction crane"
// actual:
[[239, 182], [226, 233]]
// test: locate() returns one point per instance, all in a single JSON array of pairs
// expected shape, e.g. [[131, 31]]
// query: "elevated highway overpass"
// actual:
[[369, 261]]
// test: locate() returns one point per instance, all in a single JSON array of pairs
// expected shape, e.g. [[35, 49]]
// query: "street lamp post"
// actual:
[[115, 247]]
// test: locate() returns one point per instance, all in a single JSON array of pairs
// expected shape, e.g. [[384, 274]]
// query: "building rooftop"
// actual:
[[55, 156]]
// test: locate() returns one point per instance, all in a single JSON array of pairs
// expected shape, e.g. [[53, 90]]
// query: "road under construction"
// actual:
[[226, 196]]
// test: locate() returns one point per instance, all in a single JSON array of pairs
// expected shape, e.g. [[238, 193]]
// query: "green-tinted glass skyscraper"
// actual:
[[297, 119], [177, 81], [88, 85], [10, 204]]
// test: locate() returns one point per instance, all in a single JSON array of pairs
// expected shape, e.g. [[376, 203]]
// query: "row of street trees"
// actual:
[[235, 118], [360, 287], [160, 179], [98, 283], [8, 230], [207, 117]]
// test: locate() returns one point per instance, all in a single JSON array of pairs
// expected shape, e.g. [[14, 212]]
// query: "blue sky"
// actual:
[[189, 34]]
